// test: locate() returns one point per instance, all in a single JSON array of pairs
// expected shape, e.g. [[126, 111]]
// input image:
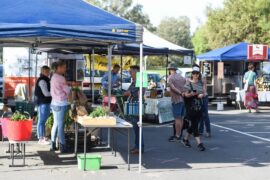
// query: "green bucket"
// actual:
[[93, 162]]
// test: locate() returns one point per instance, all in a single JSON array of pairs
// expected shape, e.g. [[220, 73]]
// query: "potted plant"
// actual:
[[19, 127]]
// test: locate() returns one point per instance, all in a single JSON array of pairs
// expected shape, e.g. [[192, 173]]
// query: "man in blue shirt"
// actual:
[[115, 79]]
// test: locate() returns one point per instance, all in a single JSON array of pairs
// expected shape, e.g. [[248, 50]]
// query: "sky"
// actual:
[[194, 9]]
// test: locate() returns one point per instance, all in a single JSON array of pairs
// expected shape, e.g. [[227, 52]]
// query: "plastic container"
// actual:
[[220, 106], [93, 162], [19, 130]]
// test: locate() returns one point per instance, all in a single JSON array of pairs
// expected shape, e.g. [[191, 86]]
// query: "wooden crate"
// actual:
[[100, 121]]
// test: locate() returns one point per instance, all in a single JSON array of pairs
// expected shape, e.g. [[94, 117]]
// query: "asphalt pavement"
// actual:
[[238, 149]]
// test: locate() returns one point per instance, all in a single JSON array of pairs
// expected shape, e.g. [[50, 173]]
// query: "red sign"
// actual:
[[257, 52]]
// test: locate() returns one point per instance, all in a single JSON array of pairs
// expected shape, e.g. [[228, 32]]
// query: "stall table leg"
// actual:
[[21, 153], [128, 149], [76, 139], [85, 144]]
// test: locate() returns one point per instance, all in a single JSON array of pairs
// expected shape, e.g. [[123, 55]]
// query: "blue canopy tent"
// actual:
[[235, 52], [62, 23]]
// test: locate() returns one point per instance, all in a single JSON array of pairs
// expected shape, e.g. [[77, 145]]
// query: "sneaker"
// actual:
[[201, 147], [208, 135], [174, 139], [43, 142], [53, 146], [186, 143], [136, 151]]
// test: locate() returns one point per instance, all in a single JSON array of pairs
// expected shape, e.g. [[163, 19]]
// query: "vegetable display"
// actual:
[[17, 116], [75, 89], [99, 112]]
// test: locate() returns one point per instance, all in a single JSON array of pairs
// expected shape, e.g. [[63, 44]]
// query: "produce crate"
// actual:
[[93, 162], [100, 121]]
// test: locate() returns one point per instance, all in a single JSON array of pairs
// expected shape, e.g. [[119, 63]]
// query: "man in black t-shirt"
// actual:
[[133, 94]]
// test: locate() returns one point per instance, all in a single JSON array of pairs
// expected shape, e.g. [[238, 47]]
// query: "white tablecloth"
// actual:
[[263, 96]]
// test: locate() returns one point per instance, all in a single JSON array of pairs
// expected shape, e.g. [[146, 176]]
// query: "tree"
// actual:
[[176, 30], [237, 21], [200, 40], [137, 15], [125, 9]]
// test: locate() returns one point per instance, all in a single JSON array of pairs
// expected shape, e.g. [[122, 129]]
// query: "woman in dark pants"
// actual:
[[193, 103], [205, 121]]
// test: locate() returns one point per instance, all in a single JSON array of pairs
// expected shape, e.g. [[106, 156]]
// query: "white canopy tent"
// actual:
[[152, 40]]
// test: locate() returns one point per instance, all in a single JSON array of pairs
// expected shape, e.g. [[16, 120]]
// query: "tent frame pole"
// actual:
[[91, 73], [121, 62], [167, 63], [109, 86], [29, 75], [92, 65], [141, 106]]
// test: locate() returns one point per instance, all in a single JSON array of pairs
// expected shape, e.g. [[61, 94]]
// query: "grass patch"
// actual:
[[158, 71]]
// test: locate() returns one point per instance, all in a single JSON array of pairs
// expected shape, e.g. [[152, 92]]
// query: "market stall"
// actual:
[[158, 108], [27, 23], [230, 63]]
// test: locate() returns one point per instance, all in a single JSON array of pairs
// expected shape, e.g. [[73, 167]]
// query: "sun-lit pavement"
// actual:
[[239, 149]]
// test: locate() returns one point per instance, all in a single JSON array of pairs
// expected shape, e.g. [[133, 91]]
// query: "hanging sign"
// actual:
[[257, 52], [187, 60], [220, 73], [145, 79]]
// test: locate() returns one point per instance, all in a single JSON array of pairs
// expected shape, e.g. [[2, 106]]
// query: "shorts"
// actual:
[[178, 110]]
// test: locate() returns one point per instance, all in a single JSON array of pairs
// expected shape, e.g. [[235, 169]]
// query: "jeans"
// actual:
[[59, 113], [43, 114], [205, 121], [134, 122]]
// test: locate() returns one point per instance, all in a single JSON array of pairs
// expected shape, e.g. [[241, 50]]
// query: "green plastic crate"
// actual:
[[93, 162]]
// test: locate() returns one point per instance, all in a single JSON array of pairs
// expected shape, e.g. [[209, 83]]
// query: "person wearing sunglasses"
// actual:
[[194, 94]]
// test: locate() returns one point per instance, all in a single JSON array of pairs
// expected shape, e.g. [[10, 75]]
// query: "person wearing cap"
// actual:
[[176, 83], [194, 94]]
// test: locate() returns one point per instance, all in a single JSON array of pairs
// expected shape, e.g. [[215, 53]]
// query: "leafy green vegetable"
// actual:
[[99, 112], [17, 116], [76, 89]]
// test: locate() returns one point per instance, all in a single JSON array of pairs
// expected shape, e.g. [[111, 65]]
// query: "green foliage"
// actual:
[[99, 112], [125, 9], [17, 116], [49, 122], [176, 30], [156, 62], [75, 89], [200, 41], [237, 21], [67, 121]]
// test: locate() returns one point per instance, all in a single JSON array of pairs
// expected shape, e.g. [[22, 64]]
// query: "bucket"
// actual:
[[19, 130], [220, 106], [93, 162]]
